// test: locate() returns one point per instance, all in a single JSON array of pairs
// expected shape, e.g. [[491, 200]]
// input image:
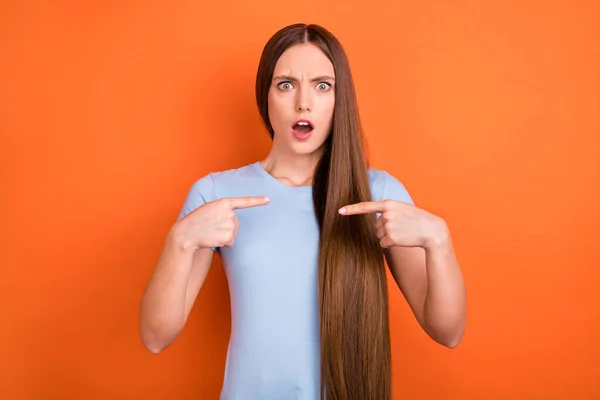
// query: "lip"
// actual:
[[303, 120], [302, 136]]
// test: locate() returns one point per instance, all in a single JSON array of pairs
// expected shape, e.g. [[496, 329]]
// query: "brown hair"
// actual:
[[353, 298]]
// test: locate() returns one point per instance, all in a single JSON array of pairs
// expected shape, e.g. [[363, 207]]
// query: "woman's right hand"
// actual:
[[213, 224]]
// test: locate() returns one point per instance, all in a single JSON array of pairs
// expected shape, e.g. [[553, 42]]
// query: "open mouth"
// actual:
[[302, 127]]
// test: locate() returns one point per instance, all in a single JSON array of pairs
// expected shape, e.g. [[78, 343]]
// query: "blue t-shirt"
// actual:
[[274, 348]]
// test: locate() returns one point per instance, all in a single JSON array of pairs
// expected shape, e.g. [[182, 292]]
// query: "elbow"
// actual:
[[153, 348], [151, 344], [157, 334], [453, 338], [451, 342], [154, 342], [449, 337]]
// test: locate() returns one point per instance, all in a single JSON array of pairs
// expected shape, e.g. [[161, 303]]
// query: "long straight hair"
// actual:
[[353, 298]]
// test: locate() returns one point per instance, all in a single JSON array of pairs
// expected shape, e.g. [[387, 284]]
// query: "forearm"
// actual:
[[445, 303], [162, 310]]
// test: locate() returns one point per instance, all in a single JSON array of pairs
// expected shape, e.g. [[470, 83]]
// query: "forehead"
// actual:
[[304, 59]]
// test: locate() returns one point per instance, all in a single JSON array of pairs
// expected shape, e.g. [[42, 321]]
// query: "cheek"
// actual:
[[275, 108], [328, 107], [328, 102]]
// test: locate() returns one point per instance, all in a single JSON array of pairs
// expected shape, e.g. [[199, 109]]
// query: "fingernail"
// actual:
[[342, 210], [267, 199]]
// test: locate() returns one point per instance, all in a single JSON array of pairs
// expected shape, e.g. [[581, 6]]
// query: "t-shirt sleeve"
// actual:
[[201, 192], [393, 189]]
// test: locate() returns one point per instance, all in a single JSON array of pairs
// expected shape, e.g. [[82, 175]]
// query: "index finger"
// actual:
[[363, 208], [246, 202]]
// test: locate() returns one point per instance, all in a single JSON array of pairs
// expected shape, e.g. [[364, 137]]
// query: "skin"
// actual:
[[417, 244], [302, 87], [419, 252]]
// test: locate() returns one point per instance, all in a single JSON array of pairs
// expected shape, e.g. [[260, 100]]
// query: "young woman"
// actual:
[[303, 235]]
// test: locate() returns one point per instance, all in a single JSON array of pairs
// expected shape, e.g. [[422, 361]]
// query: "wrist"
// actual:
[[179, 240], [439, 237]]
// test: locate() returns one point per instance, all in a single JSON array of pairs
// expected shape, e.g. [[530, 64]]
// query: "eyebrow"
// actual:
[[292, 79]]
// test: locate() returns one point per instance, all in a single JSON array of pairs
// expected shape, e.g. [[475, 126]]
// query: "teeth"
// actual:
[[303, 123]]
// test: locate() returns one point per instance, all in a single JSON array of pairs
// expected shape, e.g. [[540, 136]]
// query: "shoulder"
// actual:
[[207, 188], [213, 180], [234, 173], [385, 186]]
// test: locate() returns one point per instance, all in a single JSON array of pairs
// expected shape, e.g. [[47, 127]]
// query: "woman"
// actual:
[[303, 235]]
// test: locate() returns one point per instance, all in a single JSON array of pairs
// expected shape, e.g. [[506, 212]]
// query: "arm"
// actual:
[[171, 292], [419, 252], [178, 274], [431, 281], [204, 224]]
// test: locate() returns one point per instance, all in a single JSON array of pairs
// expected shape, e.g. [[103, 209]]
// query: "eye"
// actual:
[[285, 86], [324, 86]]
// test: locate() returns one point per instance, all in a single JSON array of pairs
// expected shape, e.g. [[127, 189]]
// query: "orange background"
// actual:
[[488, 113]]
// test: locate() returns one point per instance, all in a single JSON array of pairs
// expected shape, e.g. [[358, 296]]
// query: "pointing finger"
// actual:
[[364, 208], [246, 202]]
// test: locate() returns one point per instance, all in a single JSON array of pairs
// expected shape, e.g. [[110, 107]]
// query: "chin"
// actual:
[[301, 148], [305, 148]]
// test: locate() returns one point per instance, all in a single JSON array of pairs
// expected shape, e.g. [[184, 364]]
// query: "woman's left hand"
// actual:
[[401, 224]]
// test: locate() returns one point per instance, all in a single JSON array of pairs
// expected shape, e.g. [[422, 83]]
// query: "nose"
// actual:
[[304, 100]]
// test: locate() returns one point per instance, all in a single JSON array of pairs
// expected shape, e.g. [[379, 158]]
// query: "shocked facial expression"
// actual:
[[302, 99]]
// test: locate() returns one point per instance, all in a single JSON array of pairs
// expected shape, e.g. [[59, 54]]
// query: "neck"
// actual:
[[294, 170]]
